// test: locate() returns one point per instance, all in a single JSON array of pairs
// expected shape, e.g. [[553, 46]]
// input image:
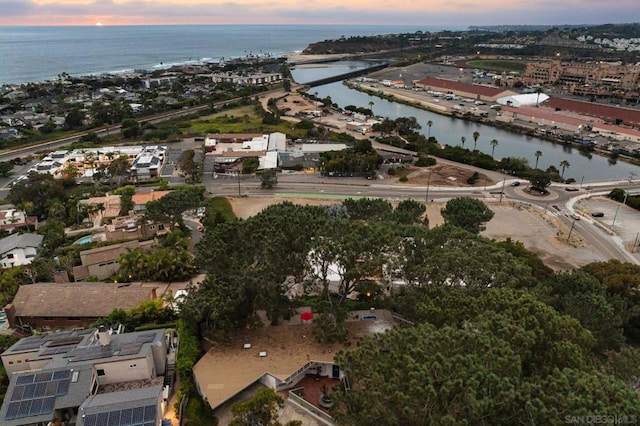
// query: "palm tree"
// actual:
[[429, 124], [371, 107], [476, 135], [315, 99], [462, 141], [494, 143], [564, 164], [538, 154]]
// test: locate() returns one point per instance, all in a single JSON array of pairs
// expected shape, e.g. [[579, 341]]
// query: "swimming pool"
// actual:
[[84, 240]]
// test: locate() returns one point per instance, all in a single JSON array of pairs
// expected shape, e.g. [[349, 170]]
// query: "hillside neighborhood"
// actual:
[[260, 251]]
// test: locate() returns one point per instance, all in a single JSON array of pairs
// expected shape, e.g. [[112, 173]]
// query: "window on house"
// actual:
[[100, 372], [10, 256]]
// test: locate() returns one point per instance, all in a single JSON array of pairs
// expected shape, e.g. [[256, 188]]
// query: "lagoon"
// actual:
[[587, 167]]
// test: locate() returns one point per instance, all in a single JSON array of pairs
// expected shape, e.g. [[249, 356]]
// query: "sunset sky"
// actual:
[[396, 12]]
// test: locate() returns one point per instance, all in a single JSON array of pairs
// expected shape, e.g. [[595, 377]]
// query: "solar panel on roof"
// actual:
[[18, 391], [25, 408], [71, 340], [30, 343], [32, 399], [138, 416], [125, 417], [146, 338], [56, 351], [52, 389], [63, 387], [36, 407], [90, 420], [12, 411], [43, 376], [103, 419], [48, 404], [23, 380], [29, 391], [40, 390], [130, 348], [61, 374], [114, 418], [150, 413]]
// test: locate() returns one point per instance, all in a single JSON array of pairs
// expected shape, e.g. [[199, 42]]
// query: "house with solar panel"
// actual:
[[88, 377]]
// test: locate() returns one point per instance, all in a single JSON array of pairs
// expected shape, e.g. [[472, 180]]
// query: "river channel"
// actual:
[[585, 167]]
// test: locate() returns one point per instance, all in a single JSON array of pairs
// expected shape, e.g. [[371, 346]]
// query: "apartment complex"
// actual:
[[602, 75]]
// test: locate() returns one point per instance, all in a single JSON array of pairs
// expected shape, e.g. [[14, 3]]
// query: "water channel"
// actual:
[[447, 130]]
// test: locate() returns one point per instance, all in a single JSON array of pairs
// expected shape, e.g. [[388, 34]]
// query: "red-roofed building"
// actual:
[[616, 115], [474, 91], [140, 199]]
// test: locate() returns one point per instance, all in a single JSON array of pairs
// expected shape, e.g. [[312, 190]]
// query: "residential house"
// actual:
[[11, 219], [133, 226], [19, 249], [100, 208], [279, 357], [48, 306], [140, 199], [102, 262], [88, 377], [148, 164]]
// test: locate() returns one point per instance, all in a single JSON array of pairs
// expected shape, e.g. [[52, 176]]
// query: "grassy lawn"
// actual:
[[506, 65], [239, 120]]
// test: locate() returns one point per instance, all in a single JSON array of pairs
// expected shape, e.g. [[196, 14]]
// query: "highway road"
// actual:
[[559, 202]]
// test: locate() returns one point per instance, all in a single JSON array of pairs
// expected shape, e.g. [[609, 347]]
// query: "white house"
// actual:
[[19, 249], [11, 219]]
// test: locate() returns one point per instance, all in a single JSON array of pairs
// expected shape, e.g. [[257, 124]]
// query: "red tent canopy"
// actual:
[[306, 316]]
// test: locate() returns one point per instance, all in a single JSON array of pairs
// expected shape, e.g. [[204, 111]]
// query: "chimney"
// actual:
[[104, 336]]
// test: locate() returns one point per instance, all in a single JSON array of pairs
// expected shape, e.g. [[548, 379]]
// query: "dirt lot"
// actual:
[[443, 175], [543, 234]]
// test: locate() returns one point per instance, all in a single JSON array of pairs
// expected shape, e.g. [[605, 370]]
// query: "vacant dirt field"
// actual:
[[443, 175]]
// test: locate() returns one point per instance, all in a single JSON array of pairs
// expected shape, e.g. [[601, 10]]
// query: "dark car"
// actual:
[[597, 214], [516, 183]]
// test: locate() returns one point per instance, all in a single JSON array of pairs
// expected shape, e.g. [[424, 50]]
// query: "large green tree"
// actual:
[[169, 208], [467, 213]]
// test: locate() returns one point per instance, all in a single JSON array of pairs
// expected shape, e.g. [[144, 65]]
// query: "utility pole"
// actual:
[[571, 230], [618, 208], [428, 182], [502, 192], [238, 178]]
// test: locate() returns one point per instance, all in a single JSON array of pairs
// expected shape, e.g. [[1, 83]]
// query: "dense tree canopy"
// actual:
[[514, 358]]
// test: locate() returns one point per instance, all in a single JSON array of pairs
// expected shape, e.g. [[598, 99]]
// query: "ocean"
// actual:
[[30, 54]]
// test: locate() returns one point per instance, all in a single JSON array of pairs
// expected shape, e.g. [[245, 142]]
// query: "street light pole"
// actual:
[[428, 182], [502, 192]]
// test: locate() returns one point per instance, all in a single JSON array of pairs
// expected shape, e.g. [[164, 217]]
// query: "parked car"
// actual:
[[516, 183], [575, 216], [597, 214]]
